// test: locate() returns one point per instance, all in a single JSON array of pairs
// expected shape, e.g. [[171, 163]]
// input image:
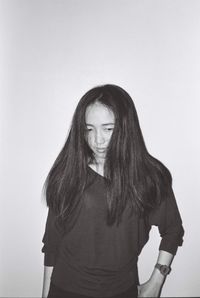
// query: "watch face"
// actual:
[[164, 269]]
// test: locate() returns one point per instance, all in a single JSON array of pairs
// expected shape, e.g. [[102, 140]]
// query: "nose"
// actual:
[[99, 138]]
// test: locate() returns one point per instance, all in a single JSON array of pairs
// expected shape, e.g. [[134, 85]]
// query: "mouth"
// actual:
[[101, 150]]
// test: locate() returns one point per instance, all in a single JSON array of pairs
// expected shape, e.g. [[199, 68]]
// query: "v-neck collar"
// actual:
[[96, 172]]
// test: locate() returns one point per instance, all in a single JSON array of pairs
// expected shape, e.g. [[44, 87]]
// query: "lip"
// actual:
[[101, 150]]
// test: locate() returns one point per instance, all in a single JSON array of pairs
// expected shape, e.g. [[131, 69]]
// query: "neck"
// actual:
[[98, 165], [100, 162]]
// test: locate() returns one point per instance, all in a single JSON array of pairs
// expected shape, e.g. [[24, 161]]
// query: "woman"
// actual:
[[104, 192]]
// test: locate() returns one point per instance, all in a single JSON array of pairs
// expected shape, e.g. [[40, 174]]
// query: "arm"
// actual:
[[153, 287], [51, 239], [46, 280], [168, 220]]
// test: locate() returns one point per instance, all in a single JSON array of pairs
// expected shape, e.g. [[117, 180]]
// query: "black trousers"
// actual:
[[55, 292]]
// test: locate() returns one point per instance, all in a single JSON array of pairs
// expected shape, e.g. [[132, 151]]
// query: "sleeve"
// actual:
[[168, 220], [51, 239]]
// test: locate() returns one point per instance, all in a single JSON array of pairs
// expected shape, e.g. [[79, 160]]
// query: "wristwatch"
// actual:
[[164, 269]]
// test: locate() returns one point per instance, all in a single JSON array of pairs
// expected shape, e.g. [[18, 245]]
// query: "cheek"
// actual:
[[90, 140], [108, 137]]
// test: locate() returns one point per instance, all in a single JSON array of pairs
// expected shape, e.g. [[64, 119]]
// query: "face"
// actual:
[[100, 123]]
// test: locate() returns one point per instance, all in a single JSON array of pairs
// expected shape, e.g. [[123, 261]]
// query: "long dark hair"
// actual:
[[131, 173]]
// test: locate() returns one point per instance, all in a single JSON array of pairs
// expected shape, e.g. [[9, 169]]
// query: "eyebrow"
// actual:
[[104, 124]]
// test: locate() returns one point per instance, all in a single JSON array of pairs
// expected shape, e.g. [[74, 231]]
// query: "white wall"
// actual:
[[54, 51]]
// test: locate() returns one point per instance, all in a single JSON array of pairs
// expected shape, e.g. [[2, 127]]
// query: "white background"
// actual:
[[52, 52]]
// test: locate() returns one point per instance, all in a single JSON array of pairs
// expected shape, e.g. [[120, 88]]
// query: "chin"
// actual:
[[100, 155]]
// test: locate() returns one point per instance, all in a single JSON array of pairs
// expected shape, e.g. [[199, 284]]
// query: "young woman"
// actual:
[[104, 192]]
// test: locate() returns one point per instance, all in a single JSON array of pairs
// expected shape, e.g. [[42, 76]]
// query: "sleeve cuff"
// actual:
[[170, 245], [49, 259]]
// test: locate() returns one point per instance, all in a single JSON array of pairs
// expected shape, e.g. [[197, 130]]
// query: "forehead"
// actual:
[[98, 113]]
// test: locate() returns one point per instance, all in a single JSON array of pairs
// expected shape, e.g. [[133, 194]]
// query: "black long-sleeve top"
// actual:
[[97, 260]]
